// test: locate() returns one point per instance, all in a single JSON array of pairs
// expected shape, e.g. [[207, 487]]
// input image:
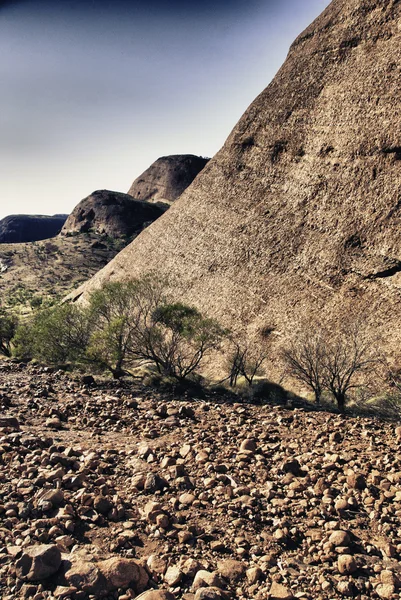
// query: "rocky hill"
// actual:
[[111, 213], [298, 216], [167, 178], [96, 230], [125, 490], [49, 269], [29, 228]]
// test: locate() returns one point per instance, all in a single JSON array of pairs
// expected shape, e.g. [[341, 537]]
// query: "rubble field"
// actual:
[[119, 491]]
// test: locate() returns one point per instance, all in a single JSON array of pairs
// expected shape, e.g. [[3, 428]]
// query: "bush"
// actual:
[[332, 361], [126, 325], [245, 361], [305, 362], [53, 336]]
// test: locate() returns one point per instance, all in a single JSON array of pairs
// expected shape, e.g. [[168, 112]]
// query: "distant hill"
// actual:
[[111, 213], [30, 228], [96, 230], [167, 178], [51, 268]]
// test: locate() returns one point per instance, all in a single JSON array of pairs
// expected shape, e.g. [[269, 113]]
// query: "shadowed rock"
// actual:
[[111, 213], [38, 562], [29, 228]]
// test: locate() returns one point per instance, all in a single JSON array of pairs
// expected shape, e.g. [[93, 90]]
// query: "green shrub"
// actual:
[[53, 336], [126, 325]]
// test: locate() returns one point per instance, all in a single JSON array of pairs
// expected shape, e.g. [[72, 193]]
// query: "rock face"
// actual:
[[29, 228], [299, 214], [167, 178], [111, 213]]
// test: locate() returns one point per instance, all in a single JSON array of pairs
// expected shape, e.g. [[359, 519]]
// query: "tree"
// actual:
[[135, 323], [234, 364], [305, 361], [331, 361], [245, 361], [119, 313], [8, 326], [180, 339], [347, 355]]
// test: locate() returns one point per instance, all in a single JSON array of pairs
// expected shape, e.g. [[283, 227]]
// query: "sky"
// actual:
[[93, 91]]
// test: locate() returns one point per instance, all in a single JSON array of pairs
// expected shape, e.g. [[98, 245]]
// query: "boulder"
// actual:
[[111, 213], [123, 572], [38, 562]]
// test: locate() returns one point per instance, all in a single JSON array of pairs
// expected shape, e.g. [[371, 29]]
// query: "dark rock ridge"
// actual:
[[29, 228], [299, 215], [111, 213], [167, 178]]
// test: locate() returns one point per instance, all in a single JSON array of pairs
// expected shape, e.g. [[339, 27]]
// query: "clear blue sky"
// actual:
[[93, 91]]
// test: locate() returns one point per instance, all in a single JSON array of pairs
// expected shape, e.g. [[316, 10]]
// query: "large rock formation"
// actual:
[[299, 214], [111, 213], [29, 228], [167, 178]]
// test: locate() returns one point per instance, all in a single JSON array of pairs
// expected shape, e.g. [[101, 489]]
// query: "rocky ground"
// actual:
[[120, 491]]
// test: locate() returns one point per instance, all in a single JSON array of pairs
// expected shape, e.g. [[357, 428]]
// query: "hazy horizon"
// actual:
[[95, 91]]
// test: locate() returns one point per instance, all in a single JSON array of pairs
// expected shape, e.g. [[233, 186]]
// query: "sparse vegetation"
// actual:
[[304, 360], [126, 325], [8, 326], [245, 361], [56, 335], [182, 338], [50, 269], [331, 361], [134, 324]]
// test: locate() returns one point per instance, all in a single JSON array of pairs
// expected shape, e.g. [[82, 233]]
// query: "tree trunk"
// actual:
[[340, 397], [117, 373], [6, 352]]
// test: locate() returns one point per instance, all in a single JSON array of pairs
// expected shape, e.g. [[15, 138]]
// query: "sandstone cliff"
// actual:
[[167, 178], [299, 214]]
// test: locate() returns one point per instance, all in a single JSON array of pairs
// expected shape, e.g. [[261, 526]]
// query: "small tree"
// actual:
[[346, 356], [246, 361], [305, 362], [8, 326], [234, 364], [330, 361], [119, 312], [180, 339]]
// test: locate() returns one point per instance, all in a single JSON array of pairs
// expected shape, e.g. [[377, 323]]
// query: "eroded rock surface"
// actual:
[[297, 218], [167, 178]]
